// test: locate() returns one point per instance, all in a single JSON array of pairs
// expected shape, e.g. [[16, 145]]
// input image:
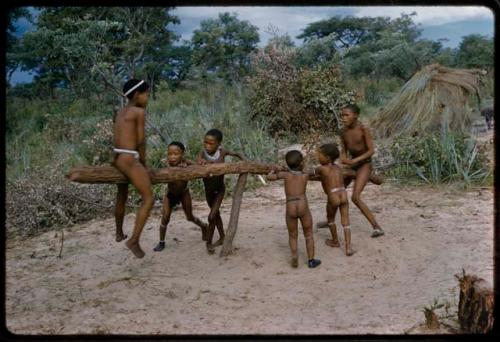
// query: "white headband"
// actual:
[[134, 88]]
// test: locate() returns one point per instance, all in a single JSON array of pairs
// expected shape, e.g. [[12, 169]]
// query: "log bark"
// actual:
[[108, 174], [475, 307], [227, 247]]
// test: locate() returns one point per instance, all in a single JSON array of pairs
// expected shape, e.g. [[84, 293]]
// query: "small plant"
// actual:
[[431, 319], [436, 158]]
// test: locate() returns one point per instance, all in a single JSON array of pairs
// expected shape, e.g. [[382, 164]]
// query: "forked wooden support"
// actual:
[[227, 247]]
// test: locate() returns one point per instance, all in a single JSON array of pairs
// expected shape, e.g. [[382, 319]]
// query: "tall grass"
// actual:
[[186, 115], [437, 158]]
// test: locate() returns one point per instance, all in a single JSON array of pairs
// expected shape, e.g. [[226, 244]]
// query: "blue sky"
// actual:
[[449, 22]]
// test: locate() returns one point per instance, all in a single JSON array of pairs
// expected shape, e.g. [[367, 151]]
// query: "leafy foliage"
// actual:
[[437, 158], [223, 45], [291, 99]]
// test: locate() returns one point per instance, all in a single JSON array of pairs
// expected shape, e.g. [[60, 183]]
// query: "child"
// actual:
[[130, 159], [332, 181], [357, 140], [296, 205], [214, 186], [177, 192]]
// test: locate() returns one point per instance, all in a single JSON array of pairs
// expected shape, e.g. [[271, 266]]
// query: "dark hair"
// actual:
[[178, 144], [352, 107], [293, 159], [130, 84], [330, 150], [214, 132]]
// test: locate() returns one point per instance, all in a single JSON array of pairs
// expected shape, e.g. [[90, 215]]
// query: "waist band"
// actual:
[[122, 150], [338, 189]]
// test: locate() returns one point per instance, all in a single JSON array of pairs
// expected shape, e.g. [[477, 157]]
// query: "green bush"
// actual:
[[445, 157]]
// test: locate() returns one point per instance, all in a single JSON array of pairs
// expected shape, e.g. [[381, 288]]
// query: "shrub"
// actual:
[[443, 157]]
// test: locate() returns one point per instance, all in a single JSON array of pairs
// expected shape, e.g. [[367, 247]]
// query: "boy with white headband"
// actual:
[[130, 159], [214, 186]]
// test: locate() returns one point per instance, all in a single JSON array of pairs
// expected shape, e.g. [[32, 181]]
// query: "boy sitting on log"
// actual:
[[357, 140], [130, 159], [332, 181], [296, 205], [177, 192], [214, 186]]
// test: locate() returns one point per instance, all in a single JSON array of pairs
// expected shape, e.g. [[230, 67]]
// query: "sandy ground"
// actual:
[[98, 287]]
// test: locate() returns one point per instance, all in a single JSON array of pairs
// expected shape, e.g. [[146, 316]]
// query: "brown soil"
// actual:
[[99, 287]]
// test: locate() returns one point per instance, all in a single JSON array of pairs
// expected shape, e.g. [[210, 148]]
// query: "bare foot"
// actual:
[[120, 237], [349, 251], [295, 262], [219, 242], [322, 224], [210, 248], [135, 248], [332, 243]]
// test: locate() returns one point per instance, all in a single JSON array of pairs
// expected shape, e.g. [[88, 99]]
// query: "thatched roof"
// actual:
[[433, 98]]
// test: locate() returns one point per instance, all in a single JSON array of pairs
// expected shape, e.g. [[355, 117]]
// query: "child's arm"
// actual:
[[200, 160], [141, 139], [273, 175], [189, 162], [370, 148], [234, 154], [343, 154]]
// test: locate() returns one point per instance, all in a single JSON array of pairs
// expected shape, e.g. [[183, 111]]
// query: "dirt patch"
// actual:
[[98, 287]]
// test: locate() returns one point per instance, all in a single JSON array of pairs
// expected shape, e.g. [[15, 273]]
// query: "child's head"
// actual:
[[175, 152], [212, 141], [328, 153], [137, 91], [294, 160], [350, 114]]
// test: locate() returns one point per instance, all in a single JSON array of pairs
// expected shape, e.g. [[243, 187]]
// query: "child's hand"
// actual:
[[346, 161], [202, 162]]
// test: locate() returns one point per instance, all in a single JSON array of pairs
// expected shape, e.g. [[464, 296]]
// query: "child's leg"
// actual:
[[214, 201], [220, 229], [216, 218], [121, 201], [331, 212], [139, 177], [292, 224], [166, 211], [361, 179], [344, 218], [307, 225], [188, 210]]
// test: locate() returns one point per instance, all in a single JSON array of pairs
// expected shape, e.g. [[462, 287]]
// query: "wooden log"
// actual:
[[227, 247], [475, 307], [108, 174]]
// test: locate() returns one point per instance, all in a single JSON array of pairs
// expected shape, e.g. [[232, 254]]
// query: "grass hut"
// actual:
[[435, 97]]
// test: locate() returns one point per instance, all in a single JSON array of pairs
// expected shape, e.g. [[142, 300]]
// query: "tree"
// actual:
[[475, 51], [95, 49], [317, 51], [351, 31], [222, 46], [11, 40]]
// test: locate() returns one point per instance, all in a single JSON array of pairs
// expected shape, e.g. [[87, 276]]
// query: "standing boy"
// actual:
[[130, 159], [177, 192], [332, 181], [358, 142], [296, 205], [214, 186]]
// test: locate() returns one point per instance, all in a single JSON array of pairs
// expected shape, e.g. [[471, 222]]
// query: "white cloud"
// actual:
[[293, 19], [429, 15]]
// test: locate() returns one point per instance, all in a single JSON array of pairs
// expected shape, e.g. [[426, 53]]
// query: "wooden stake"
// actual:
[[227, 247], [475, 308]]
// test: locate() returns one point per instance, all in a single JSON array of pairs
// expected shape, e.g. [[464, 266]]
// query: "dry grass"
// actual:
[[436, 97]]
